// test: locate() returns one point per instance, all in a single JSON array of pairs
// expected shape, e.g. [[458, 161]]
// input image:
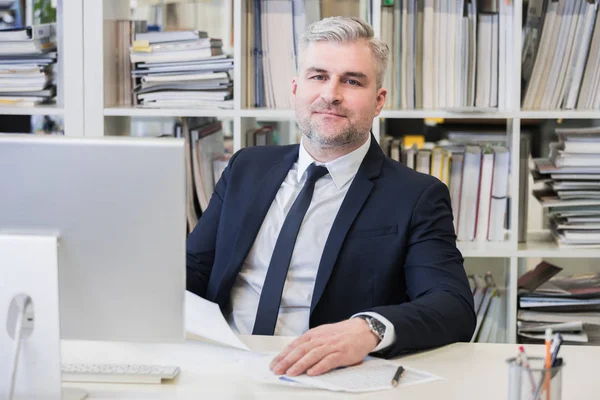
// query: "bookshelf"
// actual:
[[80, 100], [69, 92]]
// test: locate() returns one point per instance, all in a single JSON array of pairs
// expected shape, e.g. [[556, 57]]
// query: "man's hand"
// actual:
[[326, 347]]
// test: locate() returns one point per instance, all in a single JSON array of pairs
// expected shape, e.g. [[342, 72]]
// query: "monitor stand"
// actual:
[[29, 267]]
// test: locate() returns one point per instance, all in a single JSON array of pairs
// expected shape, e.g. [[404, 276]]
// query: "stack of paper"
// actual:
[[372, 374], [566, 304], [27, 56], [181, 69], [572, 186]]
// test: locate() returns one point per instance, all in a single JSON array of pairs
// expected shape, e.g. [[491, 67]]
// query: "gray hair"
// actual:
[[346, 30]]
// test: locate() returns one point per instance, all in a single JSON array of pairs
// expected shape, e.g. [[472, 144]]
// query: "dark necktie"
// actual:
[[270, 297]]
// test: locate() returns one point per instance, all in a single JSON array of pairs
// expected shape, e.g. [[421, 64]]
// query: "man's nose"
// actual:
[[332, 93]]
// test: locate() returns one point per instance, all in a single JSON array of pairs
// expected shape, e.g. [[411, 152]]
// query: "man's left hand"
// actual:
[[326, 347]]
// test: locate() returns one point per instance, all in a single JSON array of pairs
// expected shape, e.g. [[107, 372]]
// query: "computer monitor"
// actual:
[[117, 206]]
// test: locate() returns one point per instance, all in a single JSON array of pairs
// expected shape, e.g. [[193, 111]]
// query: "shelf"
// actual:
[[541, 244], [266, 113], [47, 109], [486, 249], [492, 114], [273, 113], [458, 114], [560, 114], [166, 112]]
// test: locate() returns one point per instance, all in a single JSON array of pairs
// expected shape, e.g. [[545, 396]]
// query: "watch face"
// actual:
[[379, 326]]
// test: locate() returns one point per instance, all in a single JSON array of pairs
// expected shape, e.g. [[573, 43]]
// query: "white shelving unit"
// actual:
[[81, 103]]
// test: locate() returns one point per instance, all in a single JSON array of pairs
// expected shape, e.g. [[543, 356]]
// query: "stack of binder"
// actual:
[[181, 69], [566, 304], [27, 56], [561, 55], [571, 193]]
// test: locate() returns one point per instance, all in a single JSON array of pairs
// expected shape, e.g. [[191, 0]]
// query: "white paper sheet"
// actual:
[[204, 318], [372, 375]]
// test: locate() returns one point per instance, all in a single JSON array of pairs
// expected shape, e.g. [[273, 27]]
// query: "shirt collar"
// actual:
[[341, 170]]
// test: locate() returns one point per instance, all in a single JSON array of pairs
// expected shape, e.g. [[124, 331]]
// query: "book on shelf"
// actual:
[[476, 170], [181, 69], [205, 158], [27, 58], [490, 309], [571, 191], [561, 55], [118, 81], [430, 69], [566, 304]]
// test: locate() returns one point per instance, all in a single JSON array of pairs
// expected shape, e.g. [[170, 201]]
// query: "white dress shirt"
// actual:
[[294, 311]]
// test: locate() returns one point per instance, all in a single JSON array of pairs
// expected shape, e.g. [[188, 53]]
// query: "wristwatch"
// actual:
[[376, 326]]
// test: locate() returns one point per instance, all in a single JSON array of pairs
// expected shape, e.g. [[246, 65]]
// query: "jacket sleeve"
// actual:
[[440, 310], [201, 243]]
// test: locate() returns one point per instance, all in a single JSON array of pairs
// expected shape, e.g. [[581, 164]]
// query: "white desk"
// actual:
[[471, 371]]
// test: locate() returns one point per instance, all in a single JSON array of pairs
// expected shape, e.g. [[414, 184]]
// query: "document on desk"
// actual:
[[372, 374], [204, 318]]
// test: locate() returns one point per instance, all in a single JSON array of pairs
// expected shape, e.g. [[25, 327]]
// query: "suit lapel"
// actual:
[[353, 202], [255, 213]]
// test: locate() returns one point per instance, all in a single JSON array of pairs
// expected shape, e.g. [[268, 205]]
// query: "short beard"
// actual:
[[347, 138]]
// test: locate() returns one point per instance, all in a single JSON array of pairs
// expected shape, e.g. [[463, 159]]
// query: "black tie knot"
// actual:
[[315, 172]]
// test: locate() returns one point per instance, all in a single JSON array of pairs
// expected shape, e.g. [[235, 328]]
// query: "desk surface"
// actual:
[[471, 371]]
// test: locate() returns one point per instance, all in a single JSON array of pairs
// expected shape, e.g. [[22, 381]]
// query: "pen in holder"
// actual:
[[534, 382]]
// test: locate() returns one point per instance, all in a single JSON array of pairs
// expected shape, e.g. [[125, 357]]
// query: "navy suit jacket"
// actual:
[[391, 249]]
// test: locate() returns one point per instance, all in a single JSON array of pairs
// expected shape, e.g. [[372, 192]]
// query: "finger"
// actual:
[[329, 362], [311, 358], [295, 355], [299, 341]]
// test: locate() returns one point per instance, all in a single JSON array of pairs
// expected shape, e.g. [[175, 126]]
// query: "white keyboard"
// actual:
[[118, 373]]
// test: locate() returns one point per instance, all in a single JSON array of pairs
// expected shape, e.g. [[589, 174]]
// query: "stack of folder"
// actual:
[[181, 69], [566, 304], [27, 56], [571, 194]]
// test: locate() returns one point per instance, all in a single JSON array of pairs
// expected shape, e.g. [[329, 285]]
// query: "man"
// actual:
[[331, 234]]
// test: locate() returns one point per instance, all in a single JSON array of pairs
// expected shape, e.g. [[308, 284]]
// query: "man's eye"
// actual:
[[318, 77], [352, 82]]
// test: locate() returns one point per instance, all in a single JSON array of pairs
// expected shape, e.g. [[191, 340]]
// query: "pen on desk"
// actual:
[[397, 375]]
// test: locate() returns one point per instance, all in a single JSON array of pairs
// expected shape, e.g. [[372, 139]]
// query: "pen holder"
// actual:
[[535, 382]]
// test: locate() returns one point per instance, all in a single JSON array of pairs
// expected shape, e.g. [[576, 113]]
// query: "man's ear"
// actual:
[[380, 100], [294, 86]]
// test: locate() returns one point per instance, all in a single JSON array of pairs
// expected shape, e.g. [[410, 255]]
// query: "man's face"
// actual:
[[335, 93]]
